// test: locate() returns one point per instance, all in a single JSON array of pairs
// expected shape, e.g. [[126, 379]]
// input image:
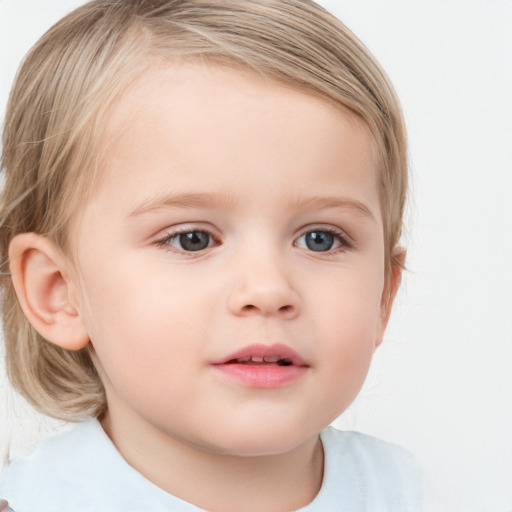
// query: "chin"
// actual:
[[265, 440]]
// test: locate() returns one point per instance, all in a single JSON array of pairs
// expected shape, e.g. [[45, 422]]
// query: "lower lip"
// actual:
[[264, 377]]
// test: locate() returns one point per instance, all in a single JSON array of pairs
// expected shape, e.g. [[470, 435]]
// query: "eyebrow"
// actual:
[[322, 202], [185, 200], [210, 200]]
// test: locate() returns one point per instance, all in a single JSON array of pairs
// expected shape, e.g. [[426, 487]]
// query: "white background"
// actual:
[[441, 384]]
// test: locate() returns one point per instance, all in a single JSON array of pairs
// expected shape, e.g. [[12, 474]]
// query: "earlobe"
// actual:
[[389, 293], [39, 276]]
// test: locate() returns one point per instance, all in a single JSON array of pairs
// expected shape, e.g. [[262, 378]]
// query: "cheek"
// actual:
[[139, 325], [346, 331], [349, 303], [344, 359]]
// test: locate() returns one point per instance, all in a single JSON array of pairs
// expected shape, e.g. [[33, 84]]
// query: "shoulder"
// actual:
[[80, 471], [58, 450], [28, 482], [370, 474], [366, 449]]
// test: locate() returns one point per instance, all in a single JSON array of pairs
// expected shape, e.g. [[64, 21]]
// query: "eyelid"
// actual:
[[174, 231], [345, 240]]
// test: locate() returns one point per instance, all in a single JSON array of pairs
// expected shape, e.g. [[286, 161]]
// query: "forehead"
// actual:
[[217, 123]]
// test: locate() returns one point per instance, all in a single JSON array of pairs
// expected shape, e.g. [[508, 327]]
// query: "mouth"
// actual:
[[264, 355], [262, 361], [262, 366]]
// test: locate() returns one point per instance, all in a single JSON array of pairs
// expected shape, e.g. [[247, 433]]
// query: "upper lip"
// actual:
[[258, 350]]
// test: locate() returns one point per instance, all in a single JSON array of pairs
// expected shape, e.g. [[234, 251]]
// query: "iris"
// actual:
[[194, 240], [319, 241]]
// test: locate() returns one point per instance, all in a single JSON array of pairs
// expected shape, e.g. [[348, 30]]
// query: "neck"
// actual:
[[218, 481]]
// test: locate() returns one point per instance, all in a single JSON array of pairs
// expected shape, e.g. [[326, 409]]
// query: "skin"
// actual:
[[258, 166]]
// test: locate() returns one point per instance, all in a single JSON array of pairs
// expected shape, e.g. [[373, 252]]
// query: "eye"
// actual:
[[189, 241], [321, 240]]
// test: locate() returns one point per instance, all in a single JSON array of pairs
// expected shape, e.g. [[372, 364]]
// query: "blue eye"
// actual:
[[190, 241], [321, 240]]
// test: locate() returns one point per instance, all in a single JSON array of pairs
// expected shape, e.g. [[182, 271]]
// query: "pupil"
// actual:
[[319, 241], [195, 240]]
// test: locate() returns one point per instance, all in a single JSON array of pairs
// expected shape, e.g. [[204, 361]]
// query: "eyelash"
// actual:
[[339, 235], [165, 242]]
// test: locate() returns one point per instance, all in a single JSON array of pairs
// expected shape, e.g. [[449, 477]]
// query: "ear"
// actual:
[[40, 277], [389, 293]]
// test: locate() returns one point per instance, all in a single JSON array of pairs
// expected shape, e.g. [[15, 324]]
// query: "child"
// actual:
[[202, 208]]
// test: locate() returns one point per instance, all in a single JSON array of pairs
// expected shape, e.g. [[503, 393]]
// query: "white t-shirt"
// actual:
[[81, 471]]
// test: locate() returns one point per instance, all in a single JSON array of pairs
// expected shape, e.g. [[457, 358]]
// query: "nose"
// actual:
[[263, 288]]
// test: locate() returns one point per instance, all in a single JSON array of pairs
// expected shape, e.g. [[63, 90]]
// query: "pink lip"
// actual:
[[265, 375]]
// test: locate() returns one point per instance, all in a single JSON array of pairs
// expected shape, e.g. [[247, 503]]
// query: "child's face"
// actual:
[[232, 215]]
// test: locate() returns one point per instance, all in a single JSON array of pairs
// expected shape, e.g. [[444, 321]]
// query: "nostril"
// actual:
[[264, 300], [251, 308]]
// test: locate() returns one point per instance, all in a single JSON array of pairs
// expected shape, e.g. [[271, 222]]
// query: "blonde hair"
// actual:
[[68, 82]]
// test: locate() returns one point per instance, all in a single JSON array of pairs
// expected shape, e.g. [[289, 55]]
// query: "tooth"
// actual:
[[257, 359], [244, 359], [272, 359]]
